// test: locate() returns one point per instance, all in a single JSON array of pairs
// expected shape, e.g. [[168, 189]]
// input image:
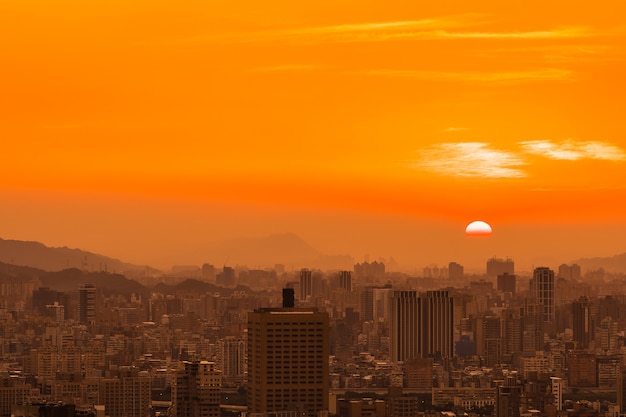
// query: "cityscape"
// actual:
[[228, 341], [329, 208]]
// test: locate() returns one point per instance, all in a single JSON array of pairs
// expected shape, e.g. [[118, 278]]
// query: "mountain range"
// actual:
[[287, 249]]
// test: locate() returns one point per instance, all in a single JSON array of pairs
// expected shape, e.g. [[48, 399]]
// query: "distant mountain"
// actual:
[[287, 249], [37, 255], [616, 263]]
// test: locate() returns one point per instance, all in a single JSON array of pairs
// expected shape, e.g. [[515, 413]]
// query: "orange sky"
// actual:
[[324, 118]]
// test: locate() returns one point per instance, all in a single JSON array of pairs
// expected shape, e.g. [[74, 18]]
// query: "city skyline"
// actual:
[[150, 132]]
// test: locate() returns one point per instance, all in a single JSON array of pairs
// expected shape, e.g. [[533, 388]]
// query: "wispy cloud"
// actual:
[[559, 33], [455, 129], [470, 159], [574, 150], [547, 74]]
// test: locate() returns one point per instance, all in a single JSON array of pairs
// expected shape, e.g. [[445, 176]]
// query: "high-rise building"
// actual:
[[345, 281], [455, 271], [582, 324], [288, 351], [87, 304], [621, 390], [488, 337], [437, 324], [306, 284], [507, 283], [582, 370], [557, 392], [233, 357], [405, 334], [226, 278], [366, 304], [498, 266], [532, 329], [197, 390], [571, 272], [542, 289], [126, 394], [508, 397]]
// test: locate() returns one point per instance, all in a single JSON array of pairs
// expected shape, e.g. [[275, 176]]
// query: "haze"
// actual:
[[148, 131]]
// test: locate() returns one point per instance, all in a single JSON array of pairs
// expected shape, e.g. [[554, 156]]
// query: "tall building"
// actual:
[[306, 284], [532, 329], [507, 283], [345, 281], [87, 304], [488, 337], [542, 289], [127, 394], [197, 390], [582, 324], [288, 351], [405, 335], [233, 357], [570, 272], [508, 397], [557, 392], [621, 390], [437, 324], [226, 278], [455, 271], [366, 304], [498, 266]]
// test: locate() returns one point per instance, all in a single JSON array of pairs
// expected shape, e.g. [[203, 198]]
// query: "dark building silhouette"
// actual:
[[542, 290], [87, 304], [507, 283], [582, 324], [289, 300], [344, 281], [508, 397]]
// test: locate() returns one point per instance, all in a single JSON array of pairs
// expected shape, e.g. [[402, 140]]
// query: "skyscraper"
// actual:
[[498, 266], [404, 339], [542, 289], [197, 389], [437, 324], [455, 271], [306, 284], [582, 324], [288, 352], [507, 283], [345, 281], [87, 304]]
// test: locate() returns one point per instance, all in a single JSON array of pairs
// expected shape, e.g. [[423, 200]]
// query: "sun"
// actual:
[[478, 228]]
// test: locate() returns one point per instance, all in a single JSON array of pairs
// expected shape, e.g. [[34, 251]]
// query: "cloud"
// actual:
[[547, 74], [455, 129], [437, 28], [574, 150], [559, 33], [470, 159]]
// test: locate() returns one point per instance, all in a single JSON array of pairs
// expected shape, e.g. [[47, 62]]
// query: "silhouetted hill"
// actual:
[[194, 286], [71, 279], [37, 255], [616, 263]]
